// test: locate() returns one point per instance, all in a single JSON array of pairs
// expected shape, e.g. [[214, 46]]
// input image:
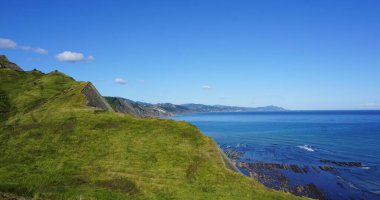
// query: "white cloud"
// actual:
[[40, 51], [90, 58], [25, 48], [206, 87], [7, 43], [10, 44], [72, 56], [120, 81], [141, 81]]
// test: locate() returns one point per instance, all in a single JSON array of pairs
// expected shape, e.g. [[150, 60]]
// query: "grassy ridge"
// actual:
[[52, 146]]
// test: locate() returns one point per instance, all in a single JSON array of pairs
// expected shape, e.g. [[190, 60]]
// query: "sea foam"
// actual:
[[306, 147]]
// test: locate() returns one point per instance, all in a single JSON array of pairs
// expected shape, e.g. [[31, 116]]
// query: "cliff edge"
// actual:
[[94, 99]]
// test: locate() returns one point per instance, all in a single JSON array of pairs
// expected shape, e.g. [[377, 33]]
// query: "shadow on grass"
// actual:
[[120, 185]]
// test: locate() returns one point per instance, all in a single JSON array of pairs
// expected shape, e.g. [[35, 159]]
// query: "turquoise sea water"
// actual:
[[305, 138]]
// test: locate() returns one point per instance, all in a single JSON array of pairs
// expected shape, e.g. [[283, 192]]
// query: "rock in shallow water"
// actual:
[[271, 166], [327, 168], [350, 164], [271, 175], [309, 190]]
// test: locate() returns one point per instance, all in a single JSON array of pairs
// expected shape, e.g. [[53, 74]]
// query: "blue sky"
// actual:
[[298, 54]]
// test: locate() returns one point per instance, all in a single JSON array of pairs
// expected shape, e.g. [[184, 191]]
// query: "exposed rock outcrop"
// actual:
[[339, 163], [309, 190], [94, 99], [327, 168], [133, 108], [5, 63], [270, 166]]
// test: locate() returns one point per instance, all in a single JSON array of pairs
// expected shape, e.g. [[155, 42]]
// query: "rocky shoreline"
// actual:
[[279, 175]]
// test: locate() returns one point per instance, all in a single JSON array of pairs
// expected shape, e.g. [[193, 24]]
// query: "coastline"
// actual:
[[282, 161], [227, 161]]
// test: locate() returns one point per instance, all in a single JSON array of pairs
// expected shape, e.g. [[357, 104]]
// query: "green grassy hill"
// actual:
[[53, 146]]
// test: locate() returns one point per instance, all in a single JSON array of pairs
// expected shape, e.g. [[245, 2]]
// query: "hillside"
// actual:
[[142, 109], [60, 140], [5, 63]]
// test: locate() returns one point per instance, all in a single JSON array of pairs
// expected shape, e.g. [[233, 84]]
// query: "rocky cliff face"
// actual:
[[94, 99], [5, 63], [133, 108]]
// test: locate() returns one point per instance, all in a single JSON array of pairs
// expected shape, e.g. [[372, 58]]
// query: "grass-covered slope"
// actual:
[[52, 146]]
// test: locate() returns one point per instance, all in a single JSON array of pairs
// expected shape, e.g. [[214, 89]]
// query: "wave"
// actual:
[[306, 147], [365, 167], [351, 185]]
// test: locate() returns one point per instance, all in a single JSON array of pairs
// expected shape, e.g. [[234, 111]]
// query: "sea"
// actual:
[[320, 154]]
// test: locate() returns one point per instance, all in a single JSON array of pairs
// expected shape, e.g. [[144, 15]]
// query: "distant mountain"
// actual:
[[222, 108], [142, 109], [267, 109], [174, 109]]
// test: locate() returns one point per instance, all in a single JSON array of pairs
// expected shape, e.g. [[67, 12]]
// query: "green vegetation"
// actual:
[[54, 147]]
